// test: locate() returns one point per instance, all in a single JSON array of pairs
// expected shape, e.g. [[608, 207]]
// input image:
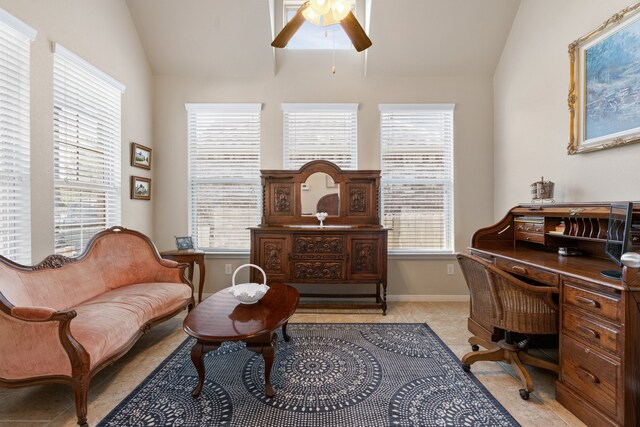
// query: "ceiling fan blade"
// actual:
[[290, 29], [356, 34]]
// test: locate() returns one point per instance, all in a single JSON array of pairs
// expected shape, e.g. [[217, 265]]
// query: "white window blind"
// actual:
[[224, 174], [15, 189], [320, 131], [86, 151], [417, 176]]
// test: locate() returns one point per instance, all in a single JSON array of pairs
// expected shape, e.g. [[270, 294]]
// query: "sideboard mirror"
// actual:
[[292, 197], [320, 193]]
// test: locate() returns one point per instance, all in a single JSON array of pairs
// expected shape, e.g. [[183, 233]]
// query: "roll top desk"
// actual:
[[599, 379], [351, 247]]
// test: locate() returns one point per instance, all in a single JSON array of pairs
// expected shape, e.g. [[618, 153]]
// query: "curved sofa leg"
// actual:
[[81, 393]]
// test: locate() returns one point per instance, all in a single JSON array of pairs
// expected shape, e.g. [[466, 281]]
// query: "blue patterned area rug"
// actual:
[[327, 375]]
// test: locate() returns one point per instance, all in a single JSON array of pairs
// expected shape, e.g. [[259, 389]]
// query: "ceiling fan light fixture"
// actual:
[[320, 7], [311, 16], [340, 9], [328, 19]]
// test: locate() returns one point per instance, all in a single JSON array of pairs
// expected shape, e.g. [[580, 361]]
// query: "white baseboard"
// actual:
[[411, 298], [422, 298]]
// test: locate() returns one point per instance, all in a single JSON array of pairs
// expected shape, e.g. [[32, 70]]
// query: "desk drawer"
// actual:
[[592, 331], [593, 376], [530, 237], [528, 271], [602, 304]]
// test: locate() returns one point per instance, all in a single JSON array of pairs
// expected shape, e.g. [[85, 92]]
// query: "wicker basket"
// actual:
[[542, 189]]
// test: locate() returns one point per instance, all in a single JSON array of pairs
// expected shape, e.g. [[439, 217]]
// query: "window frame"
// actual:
[[294, 5], [194, 108], [449, 205], [98, 143], [15, 157], [314, 110]]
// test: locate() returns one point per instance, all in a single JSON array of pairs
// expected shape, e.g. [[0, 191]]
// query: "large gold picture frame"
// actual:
[[602, 106]]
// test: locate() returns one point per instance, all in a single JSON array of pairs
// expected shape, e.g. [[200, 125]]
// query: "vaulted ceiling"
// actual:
[[232, 38]]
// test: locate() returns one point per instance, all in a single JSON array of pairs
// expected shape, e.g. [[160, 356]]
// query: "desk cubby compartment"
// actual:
[[588, 228]]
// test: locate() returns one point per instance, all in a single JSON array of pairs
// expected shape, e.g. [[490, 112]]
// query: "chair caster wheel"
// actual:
[[475, 347], [466, 368], [524, 394]]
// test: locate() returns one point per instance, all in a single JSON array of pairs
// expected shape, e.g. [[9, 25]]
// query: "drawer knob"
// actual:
[[519, 269], [587, 301], [590, 376], [595, 333]]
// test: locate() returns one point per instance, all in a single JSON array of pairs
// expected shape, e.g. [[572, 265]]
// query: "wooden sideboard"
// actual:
[[599, 352], [351, 247], [342, 256]]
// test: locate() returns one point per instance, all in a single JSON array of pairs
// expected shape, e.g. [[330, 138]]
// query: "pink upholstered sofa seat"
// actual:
[[66, 318]]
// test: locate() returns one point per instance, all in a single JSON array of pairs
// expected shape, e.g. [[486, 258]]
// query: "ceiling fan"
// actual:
[[325, 12]]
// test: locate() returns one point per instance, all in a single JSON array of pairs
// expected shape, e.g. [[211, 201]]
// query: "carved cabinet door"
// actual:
[[271, 252], [366, 257]]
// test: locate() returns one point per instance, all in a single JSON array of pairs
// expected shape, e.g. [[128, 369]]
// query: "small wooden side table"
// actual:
[[190, 257]]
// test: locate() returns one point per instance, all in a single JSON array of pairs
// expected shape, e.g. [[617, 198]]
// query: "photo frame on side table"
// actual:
[[140, 188], [184, 243], [140, 156], [604, 85]]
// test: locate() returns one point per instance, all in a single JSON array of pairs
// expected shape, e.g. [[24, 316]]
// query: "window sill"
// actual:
[[227, 255], [422, 255], [390, 255]]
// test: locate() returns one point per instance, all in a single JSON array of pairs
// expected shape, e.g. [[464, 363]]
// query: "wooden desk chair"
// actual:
[[513, 305], [329, 204]]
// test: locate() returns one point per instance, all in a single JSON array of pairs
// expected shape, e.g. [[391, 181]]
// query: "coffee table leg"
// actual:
[[197, 351], [266, 345], [285, 335], [269, 353]]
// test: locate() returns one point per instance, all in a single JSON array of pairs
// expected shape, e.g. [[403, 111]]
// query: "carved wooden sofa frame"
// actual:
[[79, 358]]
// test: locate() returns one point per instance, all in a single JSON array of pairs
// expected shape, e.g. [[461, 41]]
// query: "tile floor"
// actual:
[[52, 405]]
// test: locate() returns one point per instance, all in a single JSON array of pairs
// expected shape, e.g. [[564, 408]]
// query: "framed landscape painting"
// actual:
[[140, 188], [604, 86], [140, 156]]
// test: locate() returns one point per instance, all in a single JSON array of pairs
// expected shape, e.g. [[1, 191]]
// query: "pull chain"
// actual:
[[333, 51]]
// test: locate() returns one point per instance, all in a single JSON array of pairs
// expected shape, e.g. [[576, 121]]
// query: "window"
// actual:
[[320, 131], [15, 193], [311, 36], [86, 151], [224, 174], [417, 176]]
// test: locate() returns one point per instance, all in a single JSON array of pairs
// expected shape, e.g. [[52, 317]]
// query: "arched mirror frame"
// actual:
[[359, 195]]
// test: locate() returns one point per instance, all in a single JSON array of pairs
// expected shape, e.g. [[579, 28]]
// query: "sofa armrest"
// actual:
[[169, 263], [37, 314], [40, 342]]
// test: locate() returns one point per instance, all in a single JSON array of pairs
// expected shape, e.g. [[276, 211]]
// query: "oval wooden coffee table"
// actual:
[[221, 318]]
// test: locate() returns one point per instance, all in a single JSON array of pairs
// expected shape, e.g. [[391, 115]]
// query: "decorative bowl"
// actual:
[[248, 293], [321, 217]]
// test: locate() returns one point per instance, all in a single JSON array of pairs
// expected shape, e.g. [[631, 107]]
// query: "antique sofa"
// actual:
[[65, 319]]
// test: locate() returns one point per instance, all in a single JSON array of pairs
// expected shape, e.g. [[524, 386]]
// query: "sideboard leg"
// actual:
[[384, 298]]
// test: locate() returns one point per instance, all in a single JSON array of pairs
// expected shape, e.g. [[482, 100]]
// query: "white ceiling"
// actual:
[[232, 38]]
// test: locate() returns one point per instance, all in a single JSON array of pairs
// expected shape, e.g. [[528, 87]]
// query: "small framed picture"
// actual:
[[184, 243], [140, 156], [140, 188]]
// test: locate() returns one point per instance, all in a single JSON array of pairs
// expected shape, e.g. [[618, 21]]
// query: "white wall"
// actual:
[[102, 33], [305, 77], [531, 123]]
